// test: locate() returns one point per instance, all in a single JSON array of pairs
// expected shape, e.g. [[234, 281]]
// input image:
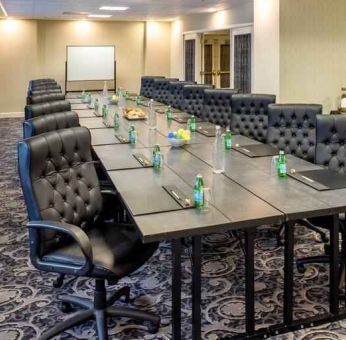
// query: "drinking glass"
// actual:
[[208, 199], [274, 165]]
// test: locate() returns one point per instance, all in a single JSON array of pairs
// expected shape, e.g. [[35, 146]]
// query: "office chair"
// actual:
[[193, 98], [250, 115], [175, 93], [330, 152], [292, 128], [217, 106], [44, 98], [70, 229], [35, 110], [51, 122]]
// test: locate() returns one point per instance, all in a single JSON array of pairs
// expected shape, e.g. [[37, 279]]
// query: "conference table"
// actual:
[[247, 195]]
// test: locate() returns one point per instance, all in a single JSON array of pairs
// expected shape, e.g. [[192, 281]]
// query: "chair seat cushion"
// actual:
[[117, 251]]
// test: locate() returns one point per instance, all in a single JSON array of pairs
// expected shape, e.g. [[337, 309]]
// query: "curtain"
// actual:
[[190, 60], [242, 62]]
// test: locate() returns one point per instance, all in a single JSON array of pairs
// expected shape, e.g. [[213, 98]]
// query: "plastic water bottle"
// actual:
[[121, 102], [152, 115], [105, 90], [218, 152]]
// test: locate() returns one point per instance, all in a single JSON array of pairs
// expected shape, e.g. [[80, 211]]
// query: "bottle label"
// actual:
[[198, 198], [193, 126], [132, 137], [157, 160], [282, 169], [228, 143]]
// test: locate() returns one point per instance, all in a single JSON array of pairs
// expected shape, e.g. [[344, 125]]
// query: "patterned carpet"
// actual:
[[28, 302]]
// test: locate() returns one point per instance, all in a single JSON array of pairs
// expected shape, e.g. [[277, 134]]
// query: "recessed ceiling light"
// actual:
[[99, 15], [113, 8]]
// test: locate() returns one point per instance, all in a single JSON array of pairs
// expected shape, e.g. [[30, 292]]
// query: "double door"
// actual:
[[216, 60]]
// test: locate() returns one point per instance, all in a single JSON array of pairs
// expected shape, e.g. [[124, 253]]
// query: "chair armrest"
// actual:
[[109, 193], [78, 236]]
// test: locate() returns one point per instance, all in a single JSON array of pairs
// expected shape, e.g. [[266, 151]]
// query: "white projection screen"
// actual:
[[86, 63]]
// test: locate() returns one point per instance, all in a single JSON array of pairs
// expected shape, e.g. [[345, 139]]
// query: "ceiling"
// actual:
[[138, 9]]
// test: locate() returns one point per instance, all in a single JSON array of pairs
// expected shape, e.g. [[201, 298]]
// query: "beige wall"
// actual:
[[18, 62], [312, 51], [38, 49], [266, 54], [157, 48]]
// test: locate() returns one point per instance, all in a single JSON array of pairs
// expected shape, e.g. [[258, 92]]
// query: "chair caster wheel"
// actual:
[[153, 327], [324, 238], [301, 268], [59, 281], [66, 307]]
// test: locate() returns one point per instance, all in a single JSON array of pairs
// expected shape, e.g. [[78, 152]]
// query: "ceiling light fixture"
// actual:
[[99, 15], [113, 8], [2, 7]]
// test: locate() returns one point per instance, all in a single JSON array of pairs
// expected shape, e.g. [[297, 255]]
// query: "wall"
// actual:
[[312, 51], [18, 62], [37, 49], [204, 22], [266, 56], [157, 48]]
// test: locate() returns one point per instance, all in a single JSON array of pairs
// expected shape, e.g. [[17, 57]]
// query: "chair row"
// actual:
[[43, 90]]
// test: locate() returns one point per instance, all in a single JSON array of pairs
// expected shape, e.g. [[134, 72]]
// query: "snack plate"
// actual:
[[135, 117]]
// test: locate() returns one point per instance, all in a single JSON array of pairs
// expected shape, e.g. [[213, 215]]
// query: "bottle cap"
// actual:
[[281, 152], [199, 176], [217, 127]]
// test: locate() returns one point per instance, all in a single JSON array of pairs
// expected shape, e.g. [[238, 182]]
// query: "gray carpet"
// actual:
[[28, 302]]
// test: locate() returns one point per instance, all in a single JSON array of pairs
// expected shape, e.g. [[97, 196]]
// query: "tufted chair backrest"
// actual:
[[52, 122], [161, 89], [39, 92], [218, 106], [193, 99], [35, 110], [331, 142], [59, 181], [44, 98], [250, 115], [147, 85], [292, 128], [175, 96]]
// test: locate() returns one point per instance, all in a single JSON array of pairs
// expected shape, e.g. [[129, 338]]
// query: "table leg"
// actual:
[[334, 267], [176, 289], [196, 287], [288, 276], [250, 281]]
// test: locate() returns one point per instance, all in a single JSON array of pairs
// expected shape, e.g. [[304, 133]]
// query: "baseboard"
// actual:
[[11, 115]]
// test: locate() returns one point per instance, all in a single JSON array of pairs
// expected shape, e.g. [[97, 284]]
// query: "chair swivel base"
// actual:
[[99, 310]]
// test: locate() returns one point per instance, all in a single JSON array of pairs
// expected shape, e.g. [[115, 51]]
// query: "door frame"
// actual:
[[197, 34], [240, 31]]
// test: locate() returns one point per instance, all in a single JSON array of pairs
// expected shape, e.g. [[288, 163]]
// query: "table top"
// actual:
[[247, 195]]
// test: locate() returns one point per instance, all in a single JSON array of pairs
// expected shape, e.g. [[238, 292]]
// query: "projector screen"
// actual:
[[90, 63]]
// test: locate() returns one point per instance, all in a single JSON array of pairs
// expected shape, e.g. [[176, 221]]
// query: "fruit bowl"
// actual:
[[178, 139], [177, 143]]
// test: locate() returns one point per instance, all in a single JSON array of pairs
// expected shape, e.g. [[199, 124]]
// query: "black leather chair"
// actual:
[[51, 122], [331, 153], [292, 128], [161, 89], [193, 99], [44, 98], [35, 110], [175, 95], [250, 115], [217, 107], [147, 85], [68, 230], [41, 92]]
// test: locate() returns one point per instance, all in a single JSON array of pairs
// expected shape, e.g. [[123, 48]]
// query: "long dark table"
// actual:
[[246, 196]]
